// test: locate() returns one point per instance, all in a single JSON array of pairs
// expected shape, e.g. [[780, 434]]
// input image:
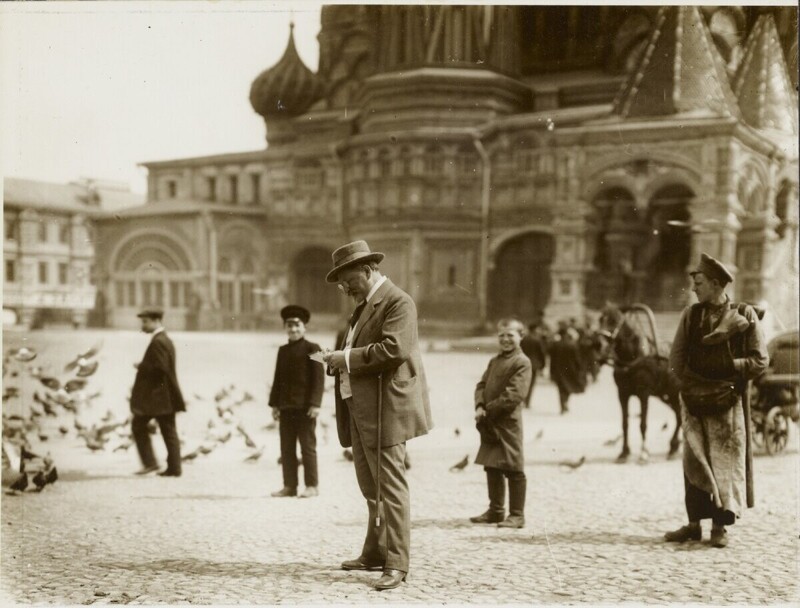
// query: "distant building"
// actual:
[[506, 159], [49, 247]]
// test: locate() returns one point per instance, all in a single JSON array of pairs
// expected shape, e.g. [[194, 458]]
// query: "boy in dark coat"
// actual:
[[295, 400], [499, 399]]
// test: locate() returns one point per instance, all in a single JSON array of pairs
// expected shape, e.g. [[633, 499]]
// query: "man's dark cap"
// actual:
[[713, 269], [293, 311], [151, 313]]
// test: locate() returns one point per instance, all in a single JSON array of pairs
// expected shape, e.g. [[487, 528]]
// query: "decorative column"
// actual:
[[570, 263]]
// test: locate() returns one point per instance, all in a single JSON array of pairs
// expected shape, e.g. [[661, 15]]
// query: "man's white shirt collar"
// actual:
[[156, 331], [372, 291]]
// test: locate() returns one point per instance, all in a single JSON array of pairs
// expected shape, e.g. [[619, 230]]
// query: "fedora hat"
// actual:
[[357, 252], [713, 269]]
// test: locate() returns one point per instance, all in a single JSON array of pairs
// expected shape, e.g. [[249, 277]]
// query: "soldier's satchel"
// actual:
[[710, 397]]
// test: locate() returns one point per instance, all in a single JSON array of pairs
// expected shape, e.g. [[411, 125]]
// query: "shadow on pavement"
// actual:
[[578, 537], [301, 571], [200, 497], [443, 524], [80, 475]]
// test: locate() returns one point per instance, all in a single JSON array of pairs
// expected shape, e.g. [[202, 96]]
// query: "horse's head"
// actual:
[[622, 343]]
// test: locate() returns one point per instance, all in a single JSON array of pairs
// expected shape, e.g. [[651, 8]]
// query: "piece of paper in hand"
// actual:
[[317, 356]]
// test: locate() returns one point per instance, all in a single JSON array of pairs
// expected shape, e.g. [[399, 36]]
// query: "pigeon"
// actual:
[[95, 444], [84, 371], [63, 430], [573, 465], [52, 383], [348, 455], [10, 393], [35, 371], [611, 442], [255, 455], [247, 397], [74, 385], [540, 434], [457, 431], [24, 354], [225, 437], [220, 395], [461, 464], [109, 415], [665, 427], [190, 455], [206, 448], [43, 437], [83, 358], [248, 441], [78, 425], [123, 446], [196, 396], [271, 426]]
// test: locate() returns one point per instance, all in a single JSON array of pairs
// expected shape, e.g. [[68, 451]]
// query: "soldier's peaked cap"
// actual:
[[713, 269]]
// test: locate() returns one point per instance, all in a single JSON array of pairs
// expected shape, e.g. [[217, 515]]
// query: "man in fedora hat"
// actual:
[[156, 394], [378, 365], [295, 400], [718, 347]]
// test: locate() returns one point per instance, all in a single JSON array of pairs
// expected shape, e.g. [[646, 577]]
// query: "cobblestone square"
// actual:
[[214, 536]]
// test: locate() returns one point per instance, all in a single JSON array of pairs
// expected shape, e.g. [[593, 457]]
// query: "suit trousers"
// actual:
[[170, 434], [391, 542], [294, 426]]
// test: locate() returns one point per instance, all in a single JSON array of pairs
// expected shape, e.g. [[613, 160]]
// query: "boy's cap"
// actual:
[[293, 311], [151, 313]]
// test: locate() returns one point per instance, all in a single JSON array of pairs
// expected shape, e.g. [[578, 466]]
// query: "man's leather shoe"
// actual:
[[360, 563], [684, 533], [512, 521], [146, 470], [488, 518], [390, 579], [310, 492], [719, 537], [285, 492], [168, 473]]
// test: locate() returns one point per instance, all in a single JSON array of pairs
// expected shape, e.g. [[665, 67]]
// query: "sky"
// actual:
[[91, 89]]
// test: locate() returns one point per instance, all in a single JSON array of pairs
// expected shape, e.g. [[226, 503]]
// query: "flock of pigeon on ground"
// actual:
[[64, 399]]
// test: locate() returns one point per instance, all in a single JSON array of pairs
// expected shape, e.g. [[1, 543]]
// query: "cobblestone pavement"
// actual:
[[214, 536]]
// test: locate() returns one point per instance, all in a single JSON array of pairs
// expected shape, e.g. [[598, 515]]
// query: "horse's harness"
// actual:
[[611, 336]]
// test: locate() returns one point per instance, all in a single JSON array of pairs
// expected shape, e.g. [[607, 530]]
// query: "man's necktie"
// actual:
[[357, 313]]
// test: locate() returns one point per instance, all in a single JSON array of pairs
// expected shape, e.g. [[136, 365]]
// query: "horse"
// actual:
[[638, 372]]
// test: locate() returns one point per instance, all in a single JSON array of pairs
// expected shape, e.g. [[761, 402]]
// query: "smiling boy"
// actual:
[[499, 398]]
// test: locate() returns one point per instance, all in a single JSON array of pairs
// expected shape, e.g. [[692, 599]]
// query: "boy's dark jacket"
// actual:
[[299, 381]]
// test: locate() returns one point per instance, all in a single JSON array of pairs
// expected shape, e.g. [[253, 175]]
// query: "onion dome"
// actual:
[[288, 88], [762, 84], [679, 71]]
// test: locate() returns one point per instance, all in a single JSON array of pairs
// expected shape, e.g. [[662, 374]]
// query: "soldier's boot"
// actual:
[[516, 504]]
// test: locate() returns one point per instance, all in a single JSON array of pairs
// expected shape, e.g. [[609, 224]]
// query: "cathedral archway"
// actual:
[[663, 257], [308, 286], [520, 283]]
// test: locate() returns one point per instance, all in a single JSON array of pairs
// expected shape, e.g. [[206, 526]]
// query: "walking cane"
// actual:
[[378, 499], [748, 449]]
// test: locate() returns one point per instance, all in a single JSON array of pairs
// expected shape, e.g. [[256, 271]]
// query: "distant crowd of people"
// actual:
[[572, 351]]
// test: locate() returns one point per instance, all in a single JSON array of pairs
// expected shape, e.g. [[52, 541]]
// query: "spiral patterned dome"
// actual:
[[288, 88]]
